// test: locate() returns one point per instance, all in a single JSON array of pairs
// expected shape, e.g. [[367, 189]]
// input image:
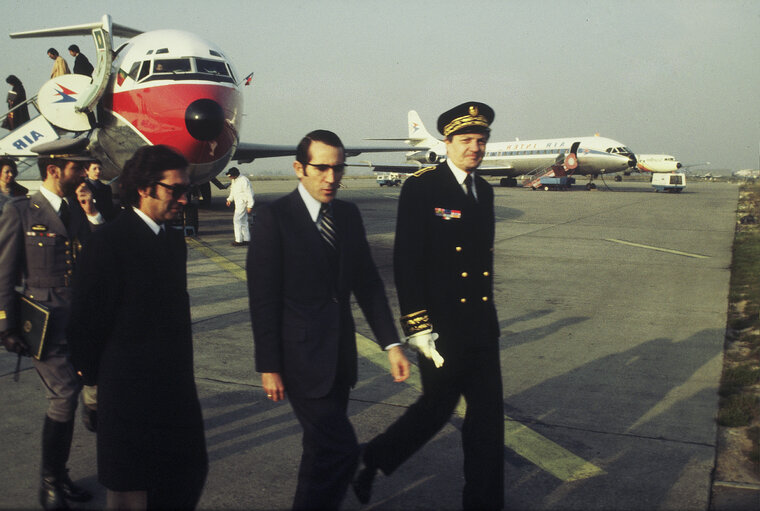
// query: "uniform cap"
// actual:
[[470, 117], [72, 149]]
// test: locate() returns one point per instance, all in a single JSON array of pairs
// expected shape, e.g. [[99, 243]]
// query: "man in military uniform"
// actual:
[[40, 239], [443, 266]]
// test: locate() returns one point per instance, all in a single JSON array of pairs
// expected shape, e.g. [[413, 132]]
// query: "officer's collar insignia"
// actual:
[[39, 227]]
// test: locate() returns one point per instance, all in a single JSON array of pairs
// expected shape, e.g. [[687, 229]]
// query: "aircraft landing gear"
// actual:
[[509, 182]]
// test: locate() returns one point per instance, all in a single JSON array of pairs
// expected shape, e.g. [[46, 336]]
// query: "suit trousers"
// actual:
[[477, 377], [330, 449]]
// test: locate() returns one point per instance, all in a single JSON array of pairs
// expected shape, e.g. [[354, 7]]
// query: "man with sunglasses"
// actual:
[[40, 241], [131, 335], [309, 254]]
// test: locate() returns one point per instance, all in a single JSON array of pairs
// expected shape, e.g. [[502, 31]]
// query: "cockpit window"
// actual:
[[133, 70], [171, 66], [144, 70], [214, 67]]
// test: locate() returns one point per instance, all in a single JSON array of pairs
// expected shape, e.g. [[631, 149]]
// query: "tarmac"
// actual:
[[612, 305]]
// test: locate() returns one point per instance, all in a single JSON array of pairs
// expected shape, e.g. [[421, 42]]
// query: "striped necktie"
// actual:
[[326, 226]]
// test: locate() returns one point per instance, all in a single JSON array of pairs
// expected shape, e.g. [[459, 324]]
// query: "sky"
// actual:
[[674, 77]]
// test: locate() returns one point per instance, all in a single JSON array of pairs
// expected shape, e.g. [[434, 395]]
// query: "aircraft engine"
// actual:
[[425, 157]]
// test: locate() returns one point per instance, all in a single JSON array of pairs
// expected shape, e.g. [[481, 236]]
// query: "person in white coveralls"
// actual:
[[241, 193]]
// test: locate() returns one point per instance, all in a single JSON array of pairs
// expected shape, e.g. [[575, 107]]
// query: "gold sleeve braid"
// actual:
[[415, 322]]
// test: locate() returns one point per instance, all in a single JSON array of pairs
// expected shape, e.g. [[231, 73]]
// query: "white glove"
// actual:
[[424, 342]]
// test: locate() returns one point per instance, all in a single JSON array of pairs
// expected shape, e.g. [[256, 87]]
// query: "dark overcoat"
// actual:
[[130, 333]]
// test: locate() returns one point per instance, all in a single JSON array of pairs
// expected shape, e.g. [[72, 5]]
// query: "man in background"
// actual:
[[60, 67], [241, 193], [101, 192], [82, 64], [41, 238]]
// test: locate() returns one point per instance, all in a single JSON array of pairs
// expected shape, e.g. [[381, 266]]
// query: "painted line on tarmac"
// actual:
[[217, 258], [532, 446], [658, 249]]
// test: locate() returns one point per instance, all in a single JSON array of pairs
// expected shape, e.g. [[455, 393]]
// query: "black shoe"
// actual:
[[237, 244], [71, 491], [362, 483], [51, 494]]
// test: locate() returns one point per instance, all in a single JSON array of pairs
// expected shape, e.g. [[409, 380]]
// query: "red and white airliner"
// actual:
[[161, 87]]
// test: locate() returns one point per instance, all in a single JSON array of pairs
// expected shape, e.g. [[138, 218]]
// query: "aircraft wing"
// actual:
[[408, 168], [247, 152]]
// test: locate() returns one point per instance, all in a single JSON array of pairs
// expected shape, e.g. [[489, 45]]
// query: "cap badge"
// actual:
[[473, 110]]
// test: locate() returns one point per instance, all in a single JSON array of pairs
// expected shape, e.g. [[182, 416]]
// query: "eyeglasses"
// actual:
[[337, 169], [177, 190]]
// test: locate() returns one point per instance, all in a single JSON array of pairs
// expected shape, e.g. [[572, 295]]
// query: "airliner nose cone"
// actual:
[[204, 119]]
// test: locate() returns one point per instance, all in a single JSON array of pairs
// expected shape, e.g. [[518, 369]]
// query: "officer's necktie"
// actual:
[[326, 226], [469, 184], [65, 213]]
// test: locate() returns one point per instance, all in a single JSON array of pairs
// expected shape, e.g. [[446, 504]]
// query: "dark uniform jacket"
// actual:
[[36, 249], [300, 310], [443, 259], [130, 333]]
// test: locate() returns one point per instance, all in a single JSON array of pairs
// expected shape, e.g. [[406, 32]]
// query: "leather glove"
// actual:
[[424, 342], [15, 344]]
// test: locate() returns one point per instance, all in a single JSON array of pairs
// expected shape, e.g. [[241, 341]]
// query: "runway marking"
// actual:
[[532, 446], [658, 249], [217, 258]]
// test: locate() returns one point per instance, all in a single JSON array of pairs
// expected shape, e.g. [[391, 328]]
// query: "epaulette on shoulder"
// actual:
[[422, 171]]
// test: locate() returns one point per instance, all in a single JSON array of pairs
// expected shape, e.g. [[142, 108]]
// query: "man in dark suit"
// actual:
[[82, 64], [443, 265], [101, 192], [41, 238], [308, 254], [130, 334]]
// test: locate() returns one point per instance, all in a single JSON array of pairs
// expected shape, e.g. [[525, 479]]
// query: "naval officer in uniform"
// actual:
[[443, 268], [40, 240]]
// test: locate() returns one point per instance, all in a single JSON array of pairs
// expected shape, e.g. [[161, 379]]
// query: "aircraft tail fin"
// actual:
[[418, 134]]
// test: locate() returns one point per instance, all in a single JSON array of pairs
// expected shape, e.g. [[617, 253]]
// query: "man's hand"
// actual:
[[424, 342], [273, 386], [84, 197], [15, 344], [399, 364], [228, 204], [248, 210]]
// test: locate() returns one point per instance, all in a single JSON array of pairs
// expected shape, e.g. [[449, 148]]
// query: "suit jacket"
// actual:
[[443, 259], [38, 251], [130, 332], [300, 309], [82, 65]]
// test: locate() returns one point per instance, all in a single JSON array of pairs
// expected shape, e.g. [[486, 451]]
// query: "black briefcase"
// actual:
[[33, 318]]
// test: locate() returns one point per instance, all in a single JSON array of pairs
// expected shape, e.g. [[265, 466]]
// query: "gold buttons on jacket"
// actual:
[[485, 298], [463, 300], [464, 274], [486, 274], [458, 249]]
